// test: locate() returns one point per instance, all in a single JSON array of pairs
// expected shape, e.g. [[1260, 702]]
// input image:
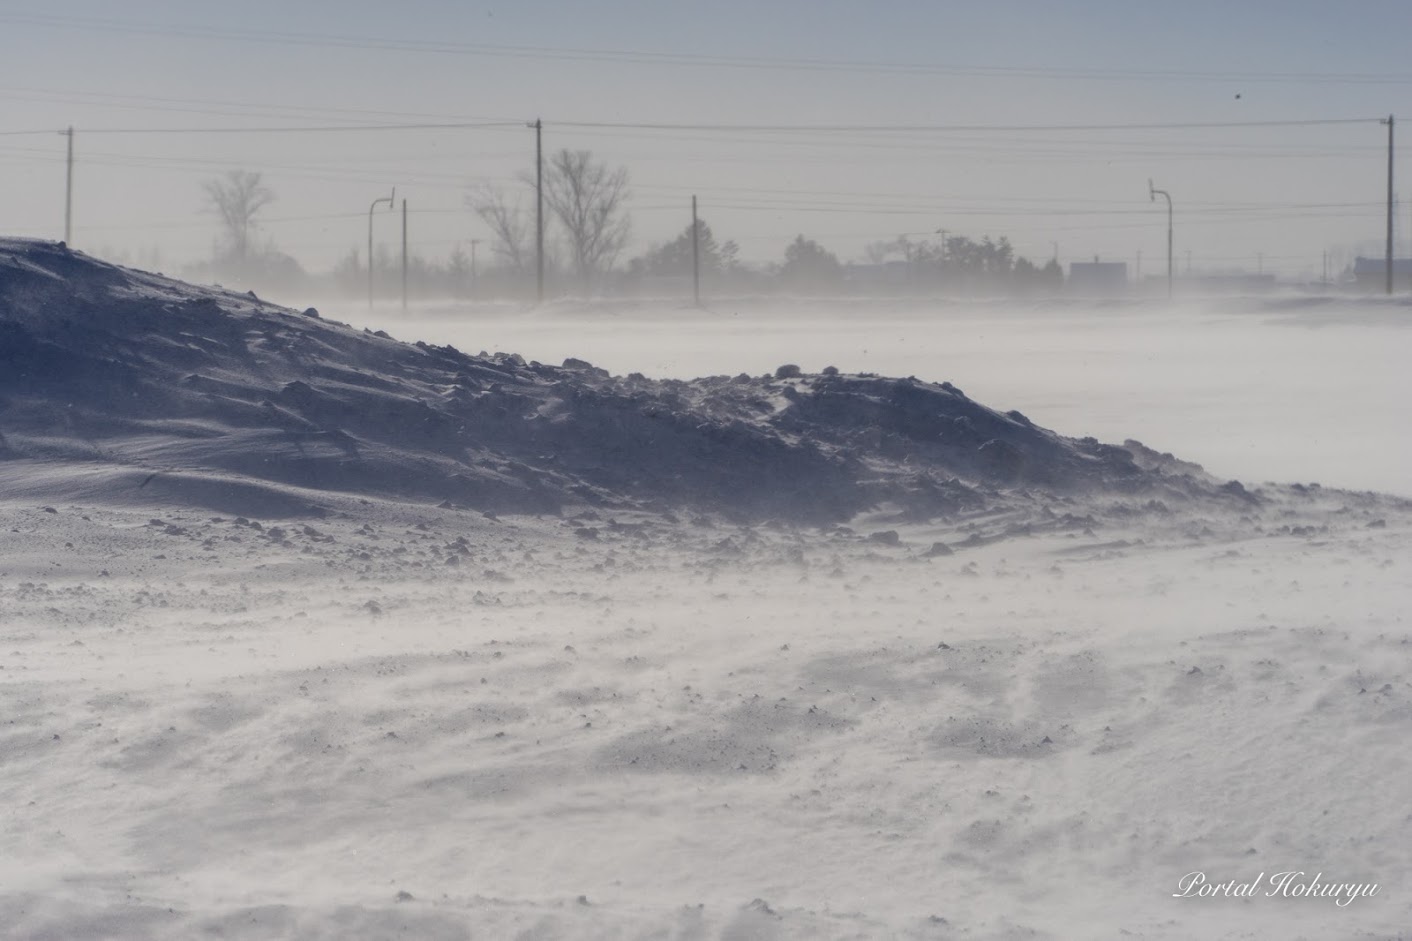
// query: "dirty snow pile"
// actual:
[[308, 633]]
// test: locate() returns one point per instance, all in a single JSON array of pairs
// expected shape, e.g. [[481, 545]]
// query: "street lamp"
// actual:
[[1153, 192], [388, 200]]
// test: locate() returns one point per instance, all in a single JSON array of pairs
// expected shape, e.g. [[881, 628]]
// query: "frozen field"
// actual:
[[1030, 718], [1289, 388], [214, 729]]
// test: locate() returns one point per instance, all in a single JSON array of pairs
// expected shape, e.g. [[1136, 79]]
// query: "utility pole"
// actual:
[[1398, 242], [538, 126], [475, 282], [69, 191], [1389, 123], [695, 257], [404, 254], [1153, 193], [385, 199]]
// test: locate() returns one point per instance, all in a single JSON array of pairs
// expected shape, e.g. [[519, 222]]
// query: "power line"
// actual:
[[647, 57], [272, 220], [216, 106], [745, 128], [982, 198], [310, 129], [956, 128], [814, 207], [325, 173], [985, 142], [777, 196], [742, 128], [783, 202]]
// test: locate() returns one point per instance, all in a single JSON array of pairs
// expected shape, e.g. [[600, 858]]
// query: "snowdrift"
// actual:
[[207, 397], [1031, 688]]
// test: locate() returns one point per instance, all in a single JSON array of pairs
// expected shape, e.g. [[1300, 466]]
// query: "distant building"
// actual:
[[1098, 277], [1371, 274]]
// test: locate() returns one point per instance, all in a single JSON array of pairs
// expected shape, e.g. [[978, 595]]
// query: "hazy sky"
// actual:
[[1245, 195]]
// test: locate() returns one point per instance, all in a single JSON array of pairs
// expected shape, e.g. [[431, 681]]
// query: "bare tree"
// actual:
[[588, 200], [238, 198], [514, 240]]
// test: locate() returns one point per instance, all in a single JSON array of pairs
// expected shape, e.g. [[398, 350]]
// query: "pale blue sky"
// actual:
[[1245, 196]]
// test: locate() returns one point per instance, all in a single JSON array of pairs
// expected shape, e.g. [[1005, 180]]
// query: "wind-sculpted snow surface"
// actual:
[[403, 721], [805, 656], [148, 376]]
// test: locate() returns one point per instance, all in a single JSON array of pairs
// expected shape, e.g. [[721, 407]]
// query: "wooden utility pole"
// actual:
[[539, 206], [475, 285], [404, 253], [1389, 123], [695, 257], [69, 192]]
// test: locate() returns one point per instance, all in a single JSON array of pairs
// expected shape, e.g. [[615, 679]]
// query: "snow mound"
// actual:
[[217, 399]]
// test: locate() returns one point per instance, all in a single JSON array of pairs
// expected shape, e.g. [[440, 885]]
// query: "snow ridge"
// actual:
[[144, 375]]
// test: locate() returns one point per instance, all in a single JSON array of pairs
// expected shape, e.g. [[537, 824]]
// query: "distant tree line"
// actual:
[[587, 227], [961, 264]]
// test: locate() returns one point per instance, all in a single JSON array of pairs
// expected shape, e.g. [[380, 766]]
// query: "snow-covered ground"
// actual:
[[1253, 388], [1031, 717], [214, 728]]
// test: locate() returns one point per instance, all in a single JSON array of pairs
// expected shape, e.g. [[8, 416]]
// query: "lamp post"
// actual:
[[389, 201], [1153, 193]]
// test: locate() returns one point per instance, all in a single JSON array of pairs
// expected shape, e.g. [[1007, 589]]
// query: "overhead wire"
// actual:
[[715, 61]]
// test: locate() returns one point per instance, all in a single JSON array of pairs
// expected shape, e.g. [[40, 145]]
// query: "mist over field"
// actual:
[[718, 472], [1251, 387]]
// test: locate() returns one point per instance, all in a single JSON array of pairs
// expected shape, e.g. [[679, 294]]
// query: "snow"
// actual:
[[235, 704], [1254, 388]]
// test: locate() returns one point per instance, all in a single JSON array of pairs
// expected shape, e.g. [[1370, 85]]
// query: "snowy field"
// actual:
[[404, 720], [1278, 388]]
